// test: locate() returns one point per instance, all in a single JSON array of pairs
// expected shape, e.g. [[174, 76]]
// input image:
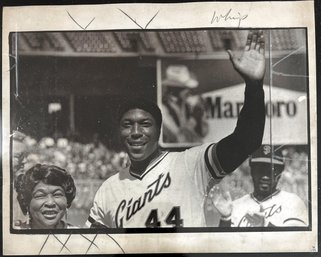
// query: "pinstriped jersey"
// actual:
[[169, 193], [281, 209]]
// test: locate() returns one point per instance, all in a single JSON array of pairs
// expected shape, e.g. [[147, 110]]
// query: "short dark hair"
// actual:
[[49, 174], [143, 104]]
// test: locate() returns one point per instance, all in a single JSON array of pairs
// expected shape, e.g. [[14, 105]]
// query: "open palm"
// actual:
[[251, 65], [222, 201]]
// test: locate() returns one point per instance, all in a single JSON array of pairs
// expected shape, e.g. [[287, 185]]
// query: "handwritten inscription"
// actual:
[[229, 15], [84, 28], [133, 20]]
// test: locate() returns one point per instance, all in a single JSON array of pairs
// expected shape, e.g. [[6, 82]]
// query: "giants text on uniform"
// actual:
[[132, 208]]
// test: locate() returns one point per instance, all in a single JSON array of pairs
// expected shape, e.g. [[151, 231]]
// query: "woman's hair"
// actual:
[[48, 174]]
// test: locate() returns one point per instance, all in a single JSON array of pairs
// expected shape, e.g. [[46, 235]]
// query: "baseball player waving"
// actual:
[[168, 189]]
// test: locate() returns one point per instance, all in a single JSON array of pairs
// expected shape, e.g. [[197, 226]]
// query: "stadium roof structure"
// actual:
[[165, 43]]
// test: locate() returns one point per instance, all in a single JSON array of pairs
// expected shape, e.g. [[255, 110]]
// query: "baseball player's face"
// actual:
[[139, 134], [47, 206], [264, 179]]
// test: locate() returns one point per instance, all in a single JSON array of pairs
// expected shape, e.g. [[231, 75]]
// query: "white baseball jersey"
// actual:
[[281, 209], [170, 192]]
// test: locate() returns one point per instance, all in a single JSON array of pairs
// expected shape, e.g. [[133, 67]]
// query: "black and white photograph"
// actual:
[[94, 118], [121, 133]]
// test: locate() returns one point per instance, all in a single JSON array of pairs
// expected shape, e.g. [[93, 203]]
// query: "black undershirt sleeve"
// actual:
[[225, 223], [95, 224], [271, 225], [234, 149]]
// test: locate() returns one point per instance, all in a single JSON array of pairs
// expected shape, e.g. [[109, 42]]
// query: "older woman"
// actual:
[[44, 193]]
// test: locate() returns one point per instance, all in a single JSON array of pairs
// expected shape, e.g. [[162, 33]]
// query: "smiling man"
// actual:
[[267, 206], [168, 189]]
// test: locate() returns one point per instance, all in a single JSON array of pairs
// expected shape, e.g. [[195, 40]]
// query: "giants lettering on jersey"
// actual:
[[269, 212], [127, 209]]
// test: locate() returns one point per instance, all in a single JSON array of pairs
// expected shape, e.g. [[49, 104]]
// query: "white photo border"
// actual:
[[259, 15]]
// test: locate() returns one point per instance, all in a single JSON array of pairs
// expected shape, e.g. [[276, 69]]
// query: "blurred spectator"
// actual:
[[18, 167], [295, 177], [18, 152], [46, 142], [184, 119]]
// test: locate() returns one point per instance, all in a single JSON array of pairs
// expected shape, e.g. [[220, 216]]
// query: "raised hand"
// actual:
[[222, 201], [251, 65]]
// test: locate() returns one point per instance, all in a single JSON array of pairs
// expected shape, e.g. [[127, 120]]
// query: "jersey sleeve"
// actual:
[[234, 149], [203, 166], [297, 214], [98, 216]]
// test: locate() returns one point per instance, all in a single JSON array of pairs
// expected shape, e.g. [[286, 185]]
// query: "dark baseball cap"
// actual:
[[269, 154]]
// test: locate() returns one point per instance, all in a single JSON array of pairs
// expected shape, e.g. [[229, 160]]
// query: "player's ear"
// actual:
[[159, 133]]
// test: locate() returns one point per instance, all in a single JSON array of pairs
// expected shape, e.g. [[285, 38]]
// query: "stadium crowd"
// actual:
[[82, 161]]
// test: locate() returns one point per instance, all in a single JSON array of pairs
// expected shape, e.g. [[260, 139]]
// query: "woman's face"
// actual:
[[47, 206]]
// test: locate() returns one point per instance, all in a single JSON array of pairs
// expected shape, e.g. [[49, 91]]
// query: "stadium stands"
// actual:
[[160, 42], [91, 42]]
